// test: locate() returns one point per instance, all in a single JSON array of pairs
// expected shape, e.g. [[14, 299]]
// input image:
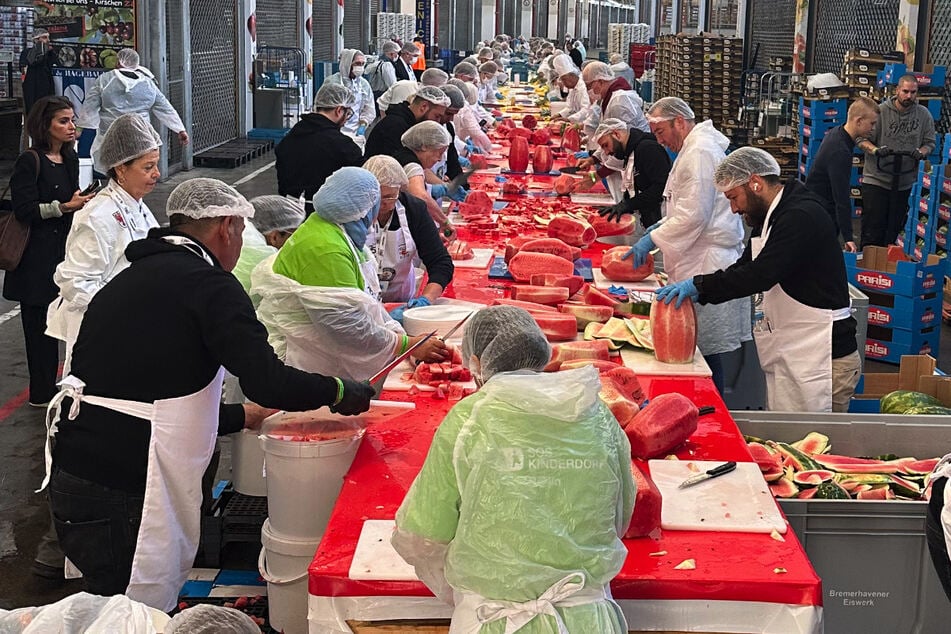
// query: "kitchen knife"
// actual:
[[395, 362], [715, 472], [462, 180], [453, 330]]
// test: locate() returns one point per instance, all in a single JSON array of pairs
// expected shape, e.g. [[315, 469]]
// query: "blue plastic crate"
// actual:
[[823, 110]]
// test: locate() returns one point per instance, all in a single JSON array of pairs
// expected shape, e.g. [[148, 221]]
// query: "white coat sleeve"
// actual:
[[578, 99], [367, 109], [89, 115], [90, 251], [691, 206], [389, 73], [628, 106], [166, 114]]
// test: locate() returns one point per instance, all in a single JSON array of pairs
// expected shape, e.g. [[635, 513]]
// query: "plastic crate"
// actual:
[[823, 110], [872, 556]]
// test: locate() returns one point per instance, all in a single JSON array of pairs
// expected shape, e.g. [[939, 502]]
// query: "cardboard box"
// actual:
[[906, 343], [874, 272], [915, 372], [904, 313]]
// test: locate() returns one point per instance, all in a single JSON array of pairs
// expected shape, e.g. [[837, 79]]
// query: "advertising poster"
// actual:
[[88, 33]]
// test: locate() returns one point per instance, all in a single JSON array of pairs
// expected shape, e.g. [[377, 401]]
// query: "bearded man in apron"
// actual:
[[804, 329], [138, 416]]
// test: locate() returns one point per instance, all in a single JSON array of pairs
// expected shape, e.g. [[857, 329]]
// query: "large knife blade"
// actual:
[[453, 330], [399, 359], [462, 180]]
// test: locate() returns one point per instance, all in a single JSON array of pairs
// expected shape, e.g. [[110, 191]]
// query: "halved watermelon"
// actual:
[[813, 478]]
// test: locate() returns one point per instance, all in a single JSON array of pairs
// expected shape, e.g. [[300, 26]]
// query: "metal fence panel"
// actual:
[[845, 24], [213, 72], [940, 52], [322, 23], [277, 23], [772, 26], [175, 61]]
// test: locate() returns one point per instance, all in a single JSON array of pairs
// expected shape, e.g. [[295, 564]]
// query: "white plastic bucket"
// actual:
[[247, 463], [283, 564], [304, 476]]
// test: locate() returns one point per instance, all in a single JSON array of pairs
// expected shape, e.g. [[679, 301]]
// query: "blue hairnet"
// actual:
[[348, 194]]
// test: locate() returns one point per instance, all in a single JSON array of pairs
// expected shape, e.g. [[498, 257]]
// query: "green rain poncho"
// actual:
[[526, 481]]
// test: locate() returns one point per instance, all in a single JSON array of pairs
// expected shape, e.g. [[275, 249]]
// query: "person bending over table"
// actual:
[[499, 518], [320, 292], [403, 233]]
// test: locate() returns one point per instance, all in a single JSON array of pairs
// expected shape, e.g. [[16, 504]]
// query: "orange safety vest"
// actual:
[[421, 61]]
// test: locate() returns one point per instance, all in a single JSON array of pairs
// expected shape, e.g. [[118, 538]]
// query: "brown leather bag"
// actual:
[[14, 234]]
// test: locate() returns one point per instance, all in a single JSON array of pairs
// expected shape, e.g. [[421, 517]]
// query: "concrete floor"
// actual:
[[23, 513]]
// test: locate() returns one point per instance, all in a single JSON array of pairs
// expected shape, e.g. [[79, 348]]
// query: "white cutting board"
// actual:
[[375, 559], [644, 362], [603, 200], [480, 259], [739, 501], [649, 283]]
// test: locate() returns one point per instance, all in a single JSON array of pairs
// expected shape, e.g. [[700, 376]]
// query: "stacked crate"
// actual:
[[704, 71], [397, 25], [861, 68], [929, 215], [786, 152], [621, 36], [16, 25]]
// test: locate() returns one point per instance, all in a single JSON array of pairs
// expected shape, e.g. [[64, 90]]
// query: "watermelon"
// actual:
[[529, 121], [556, 326], [572, 282], [765, 459], [831, 491], [899, 401], [784, 488], [919, 467], [623, 408], [571, 139], [806, 494], [539, 294], [674, 331], [470, 212], [518, 154], [625, 379], [525, 264], [774, 473], [849, 481], [597, 297], [848, 464], [905, 488], [573, 231], [879, 492], [479, 198], [520, 133], [586, 314], [540, 137], [667, 422], [604, 227], [814, 442], [618, 270], [553, 246], [798, 460], [813, 477], [565, 184], [541, 159], [647, 506], [577, 350], [927, 410], [531, 307]]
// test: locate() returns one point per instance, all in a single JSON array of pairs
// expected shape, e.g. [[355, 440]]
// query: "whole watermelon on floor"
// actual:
[[900, 401]]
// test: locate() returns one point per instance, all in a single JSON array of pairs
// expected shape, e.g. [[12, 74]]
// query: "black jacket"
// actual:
[[32, 281], [39, 75], [385, 136], [429, 246], [314, 149], [651, 167], [161, 329], [829, 178], [401, 71], [453, 168], [802, 255]]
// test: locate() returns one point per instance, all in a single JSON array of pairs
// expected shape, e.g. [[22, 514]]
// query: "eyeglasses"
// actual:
[[348, 111], [389, 199]]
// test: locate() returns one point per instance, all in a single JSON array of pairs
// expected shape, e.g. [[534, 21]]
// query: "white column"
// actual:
[[527, 13], [585, 7], [702, 12], [653, 18], [571, 8], [553, 20], [488, 20], [741, 18]]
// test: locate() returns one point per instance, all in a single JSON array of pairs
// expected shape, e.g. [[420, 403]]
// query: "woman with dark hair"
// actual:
[[45, 191]]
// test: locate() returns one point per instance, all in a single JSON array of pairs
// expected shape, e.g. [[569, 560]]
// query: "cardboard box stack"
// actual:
[[389, 24], [915, 373], [16, 26], [904, 297], [621, 36]]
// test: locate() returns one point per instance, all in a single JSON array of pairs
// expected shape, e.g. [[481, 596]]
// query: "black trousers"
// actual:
[[881, 219], [935, 534], [97, 528], [42, 353]]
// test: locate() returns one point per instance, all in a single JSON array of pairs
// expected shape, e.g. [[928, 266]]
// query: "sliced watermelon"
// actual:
[[813, 478], [586, 314], [531, 307], [556, 326], [597, 364], [797, 459], [807, 494], [850, 480], [878, 492], [549, 295], [814, 442], [577, 350], [905, 488], [783, 488], [627, 383], [848, 464], [772, 474], [764, 458], [831, 491], [647, 506], [920, 467], [572, 282], [597, 297]]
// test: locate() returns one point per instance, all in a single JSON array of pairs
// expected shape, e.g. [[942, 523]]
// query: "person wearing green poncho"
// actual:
[[517, 513], [275, 219]]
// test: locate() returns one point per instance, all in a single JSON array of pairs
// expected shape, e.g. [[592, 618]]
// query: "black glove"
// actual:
[[615, 213], [883, 150], [917, 155], [356, 398]]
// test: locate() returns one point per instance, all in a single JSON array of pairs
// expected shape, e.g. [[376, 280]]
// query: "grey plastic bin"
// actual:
[[877, 575]]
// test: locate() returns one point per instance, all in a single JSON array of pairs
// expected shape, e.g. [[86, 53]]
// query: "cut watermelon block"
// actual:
[[577, 350], [524, 264], [586, 314], [556, 326], [647, 506], [539, 294], [572, 282], [667, 422]]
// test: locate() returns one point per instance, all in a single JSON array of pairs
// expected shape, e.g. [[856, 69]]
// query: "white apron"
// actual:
[[368, 267], [794, 343], [472, 611], [395, 252]]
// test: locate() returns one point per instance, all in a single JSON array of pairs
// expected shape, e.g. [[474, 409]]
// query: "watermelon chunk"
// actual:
[[813, 478], [784, 488], [879, 492], [525, 264], [920, 467], [763, 457], [625, 379], [553, 246], [614, 268], [531, 307], [596, 297], [604, 227], [647, 506], [667, 422], [556, 326], [573, 231], [674, 331], [597, 364], [572, 282], [478, 198], [814, 442], [577, 350], [586, 314], [848, 464], [539, 294]]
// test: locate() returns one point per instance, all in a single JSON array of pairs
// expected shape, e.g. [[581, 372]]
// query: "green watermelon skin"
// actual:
[[900, 401], [831, 491], [928, 410]]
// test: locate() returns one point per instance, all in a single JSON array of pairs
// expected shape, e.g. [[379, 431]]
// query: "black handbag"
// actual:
[[14, 234]]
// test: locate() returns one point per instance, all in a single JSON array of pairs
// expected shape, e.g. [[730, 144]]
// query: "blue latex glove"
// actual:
[[438, 191], [680, 290], [362, 130], [464, 162], [459, 195], [416, 302], [498, 95], [471, 147], [582, 155], [397, 313], [640, 250]]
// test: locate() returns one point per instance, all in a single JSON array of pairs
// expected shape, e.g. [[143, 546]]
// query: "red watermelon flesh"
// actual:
[[763, 457], [597, 297], [540, 137], [565, 184], [573, 231], [625, 379], [614, 268], [879, 492], [848, 464], [520, 133], [604, 227], [813, 478], [586, 314], [572, 282], [469, 212], [529, 121], [805, 494], [647, 506], [524, 264], [480, 199], [920, 467], [623, 408], [783, 488], [665, 423], [571, 139], [774, 473], [541, 159], [531, 307], [539, 294], [518, 154], [577, 350], [674, 331], [556, 326], [553, 246], [478, 161]]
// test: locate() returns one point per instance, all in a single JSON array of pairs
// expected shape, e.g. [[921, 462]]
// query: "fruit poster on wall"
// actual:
[[88, 33]]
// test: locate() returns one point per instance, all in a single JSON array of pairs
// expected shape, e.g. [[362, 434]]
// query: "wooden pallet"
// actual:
[[233, 153]]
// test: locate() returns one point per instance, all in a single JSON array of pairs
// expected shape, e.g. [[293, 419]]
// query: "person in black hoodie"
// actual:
[[315, 147], [804, 330], [646, 166], [137, 422], [36, 67], [429, 104]]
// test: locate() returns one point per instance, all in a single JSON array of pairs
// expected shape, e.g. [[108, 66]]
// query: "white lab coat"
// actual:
[[114, 94], [578, 103], [702, 235], [466, 123], [363, 109]]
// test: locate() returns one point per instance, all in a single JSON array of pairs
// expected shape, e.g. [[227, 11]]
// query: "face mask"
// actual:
[[357, 232], [357, 70]]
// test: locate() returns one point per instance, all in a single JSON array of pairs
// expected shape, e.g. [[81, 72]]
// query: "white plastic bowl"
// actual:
[[440, 317]]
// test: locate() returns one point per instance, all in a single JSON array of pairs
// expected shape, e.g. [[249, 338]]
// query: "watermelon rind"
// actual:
[[900, 401], [847, 464], [814, 442], [905, 488], [813, 478], [927, 410], [831, 491], [783, 488], [920, 467], [800, 461], [861, 478]]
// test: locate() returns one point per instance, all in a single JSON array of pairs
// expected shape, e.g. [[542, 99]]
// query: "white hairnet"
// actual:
[[737, 168], [504, 339], [427, 134], [562, 65], [410, 49], [433, 77], [456, 99], [38, 33], [669, 108], [433, 95], [129, 137], [465, 69], [615, 58], [627, 106], [211, 619], [469, 90], [485, 52], [277, 213], [207, 198], [387, 170], [390, 46], [128, 58], [402, 90], [596, 71], [608, 126], [490, 68], [334, 95], [348, 194]]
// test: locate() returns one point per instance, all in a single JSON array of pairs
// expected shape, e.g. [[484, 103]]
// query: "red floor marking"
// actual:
[[13, 404]]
